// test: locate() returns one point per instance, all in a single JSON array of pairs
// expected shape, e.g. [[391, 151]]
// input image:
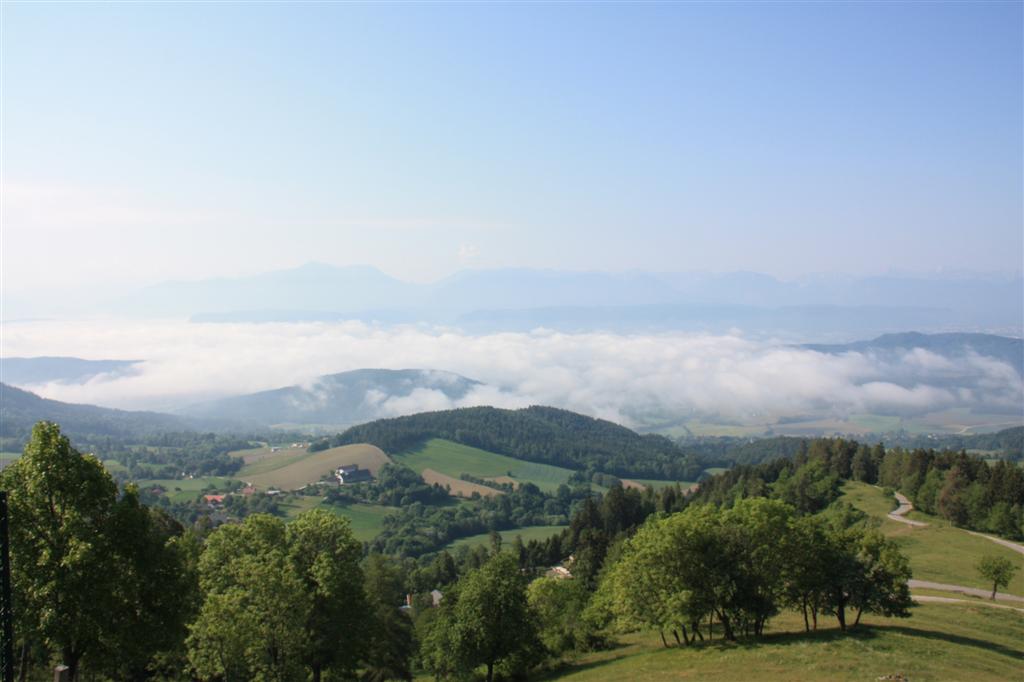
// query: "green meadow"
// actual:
[[454, 459], [939, 642], [939, 552], [508, 536]]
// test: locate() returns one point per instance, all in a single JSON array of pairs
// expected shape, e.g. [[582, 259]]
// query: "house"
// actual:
[[248, 490], [560, 572], [351, 473], [436, 597], [214, 500]]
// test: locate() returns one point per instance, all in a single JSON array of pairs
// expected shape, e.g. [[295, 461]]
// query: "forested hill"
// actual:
[[20, 410], [536, 434]]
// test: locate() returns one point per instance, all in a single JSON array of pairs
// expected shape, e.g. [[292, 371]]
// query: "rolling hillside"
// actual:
[[20, 410], [545, 435], [292, 470], [337, 400]]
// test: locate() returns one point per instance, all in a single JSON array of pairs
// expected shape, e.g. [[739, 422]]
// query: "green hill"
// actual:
[[545, 435]]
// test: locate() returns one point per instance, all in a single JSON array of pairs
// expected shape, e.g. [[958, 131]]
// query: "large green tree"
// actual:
[[485, 621], [93, 571], [279, 600]]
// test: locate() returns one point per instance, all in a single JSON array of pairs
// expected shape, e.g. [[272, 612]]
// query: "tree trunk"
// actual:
[[23, 667], [663, 642], [695, 626], [316, 673], [814, 617], [686, 638], [856, 621], [490, 671], [675, 634], [807, 624], [995, 587], [841, 615], [71, 658]]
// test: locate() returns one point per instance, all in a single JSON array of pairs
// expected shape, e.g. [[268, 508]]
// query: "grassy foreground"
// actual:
[[939, 642], [939, 553]]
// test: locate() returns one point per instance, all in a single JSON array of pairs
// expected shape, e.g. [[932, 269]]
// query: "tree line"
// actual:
[[536, 434]]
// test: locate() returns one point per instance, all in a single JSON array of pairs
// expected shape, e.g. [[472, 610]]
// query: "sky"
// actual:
[[151, 141]]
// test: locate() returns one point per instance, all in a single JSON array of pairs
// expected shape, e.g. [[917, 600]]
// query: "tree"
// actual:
[[86, 565], [278, 600], [492, 621], [998, 570], [325, 556], [390, 645]]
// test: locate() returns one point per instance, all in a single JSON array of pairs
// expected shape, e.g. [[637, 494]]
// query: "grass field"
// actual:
[[289, 470], [367, 519], [939, 552], [457, 486], [658, 485], [253, 455], [183, 490], [508, 536], [939, 642], [454, 459]]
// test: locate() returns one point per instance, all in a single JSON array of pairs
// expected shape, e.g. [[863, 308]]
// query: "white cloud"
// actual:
[[626, 378]]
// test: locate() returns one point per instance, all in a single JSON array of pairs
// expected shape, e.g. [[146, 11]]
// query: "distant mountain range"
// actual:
[[336, 400], [515, 298]]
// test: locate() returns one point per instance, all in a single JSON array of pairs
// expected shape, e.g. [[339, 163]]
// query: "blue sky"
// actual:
[[143, 142]]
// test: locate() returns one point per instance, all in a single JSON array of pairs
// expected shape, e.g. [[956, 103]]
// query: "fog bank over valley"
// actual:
[[640, 380]]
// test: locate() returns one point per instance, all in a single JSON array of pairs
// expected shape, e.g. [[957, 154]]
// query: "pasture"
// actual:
[[366, 520], [939, 642], [527, 533], [289, 470], [658, 484], [186, 489], [457, 486], [453, 459], [940, 552]]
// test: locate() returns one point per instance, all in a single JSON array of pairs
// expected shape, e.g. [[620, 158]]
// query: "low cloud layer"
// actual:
[[631, 379]]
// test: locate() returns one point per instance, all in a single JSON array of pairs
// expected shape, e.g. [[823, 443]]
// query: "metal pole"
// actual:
[[6, 607]]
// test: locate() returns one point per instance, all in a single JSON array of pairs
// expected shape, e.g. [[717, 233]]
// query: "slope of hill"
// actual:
[[27, 371], [536, 434], [295, 470], [19, 410], [338, 400]]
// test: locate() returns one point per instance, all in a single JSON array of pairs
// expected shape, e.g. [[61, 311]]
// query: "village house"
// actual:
[[351, 473]]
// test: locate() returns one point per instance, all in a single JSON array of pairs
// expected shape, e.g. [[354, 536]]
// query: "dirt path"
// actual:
[[949, 600], [999, 541], [973, 591], [899, 514]]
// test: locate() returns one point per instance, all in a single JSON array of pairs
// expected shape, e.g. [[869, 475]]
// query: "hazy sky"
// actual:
[[142, 142]]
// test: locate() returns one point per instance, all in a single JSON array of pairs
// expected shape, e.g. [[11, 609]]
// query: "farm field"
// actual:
[[289, 471], [508, 536], [253, 455], [367, 520], [939, 553], [183, 490], [457, 486], [938, 642], [453, 459]]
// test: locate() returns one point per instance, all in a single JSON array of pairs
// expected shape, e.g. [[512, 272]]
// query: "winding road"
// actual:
[[899, 514]]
